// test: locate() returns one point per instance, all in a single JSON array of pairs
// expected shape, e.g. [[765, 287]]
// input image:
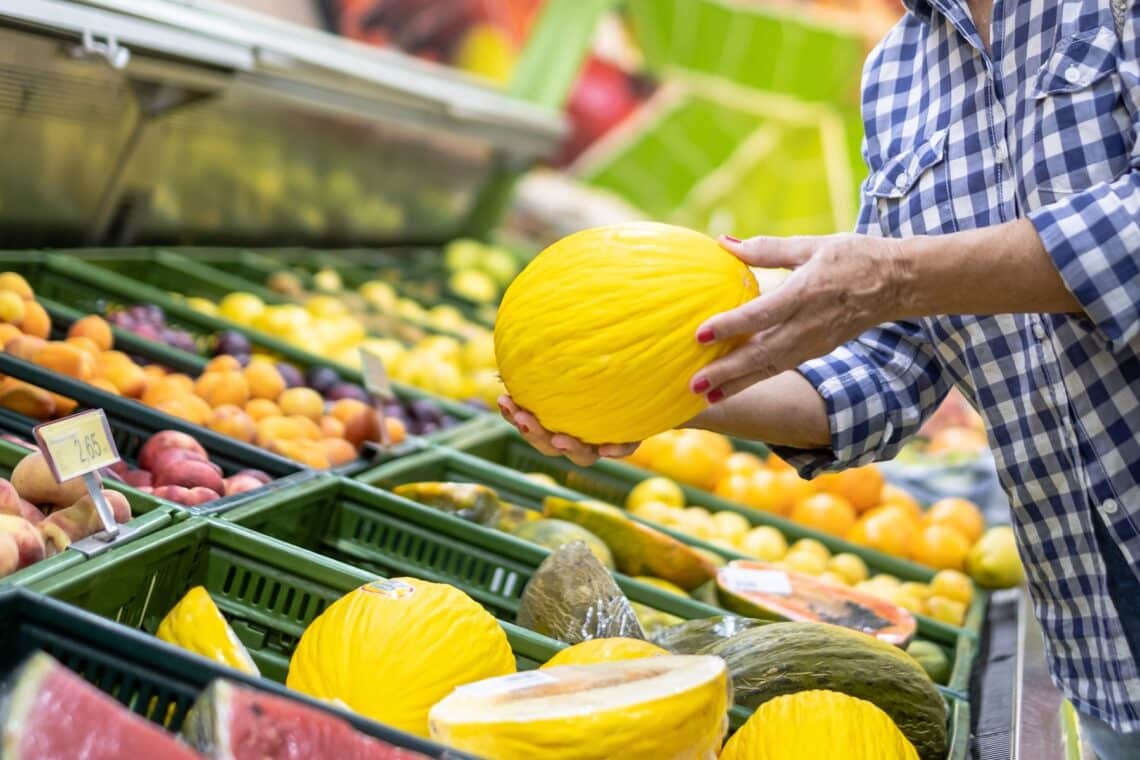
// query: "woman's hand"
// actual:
[[842, 286], [557, 444]]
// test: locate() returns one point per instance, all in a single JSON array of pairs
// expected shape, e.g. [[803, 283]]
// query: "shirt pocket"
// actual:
[[911, 190], [1080, 124]]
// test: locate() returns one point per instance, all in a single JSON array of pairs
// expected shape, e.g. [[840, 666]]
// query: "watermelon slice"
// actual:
[[53, 714], [756, 589], [230, 722]]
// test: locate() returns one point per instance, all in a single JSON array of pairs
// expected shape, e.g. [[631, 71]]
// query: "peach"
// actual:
[[138, 478], [308, 453], [261, 477], [265, 382], [29, 541], [34, 481], [364, 426], [17, 284], [8, 332], [177, 494], [331, 427], [26, 399], [12, 309], [24, 346], [338, 451], [167, 457], [66, 359], [81, 519], [260, 408], [95, 328], [218, 388], [127, 377], [233, 421], [190, 473], [167, 439], [55, 539], [223, 363], [9, 555], [199, 495], [241, 483], [28, 511], [11, 503], [304, 402], [347, 408], [36, 321]]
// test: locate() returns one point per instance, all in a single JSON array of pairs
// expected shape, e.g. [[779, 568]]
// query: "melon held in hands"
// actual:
[[597, 336]]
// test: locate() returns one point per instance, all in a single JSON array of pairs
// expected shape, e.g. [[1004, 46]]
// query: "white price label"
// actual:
[[745, 580], [376, 379], [77, 445]]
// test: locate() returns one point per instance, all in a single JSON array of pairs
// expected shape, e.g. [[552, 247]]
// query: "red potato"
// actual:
[[167, 439], [241, 483], [138, 478], [34, 481], [29, 542], [190, 473], [262, 477], [81, 519]]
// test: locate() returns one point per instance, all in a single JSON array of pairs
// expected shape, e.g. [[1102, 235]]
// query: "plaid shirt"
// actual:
[[1044, 126]]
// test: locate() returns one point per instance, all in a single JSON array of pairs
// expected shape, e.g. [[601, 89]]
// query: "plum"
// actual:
[[348, 390], [321, 379], [233, 343], [426, 410], [290, 374]]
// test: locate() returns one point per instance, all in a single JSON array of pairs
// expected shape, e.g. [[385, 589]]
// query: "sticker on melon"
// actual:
[[759, 590], [197, 625], [655, 708]]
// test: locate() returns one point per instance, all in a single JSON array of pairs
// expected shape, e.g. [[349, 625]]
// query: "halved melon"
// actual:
[[655, 708], [760, 590]]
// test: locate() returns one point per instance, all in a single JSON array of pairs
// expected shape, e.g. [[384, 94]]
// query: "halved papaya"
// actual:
[[760, 590]]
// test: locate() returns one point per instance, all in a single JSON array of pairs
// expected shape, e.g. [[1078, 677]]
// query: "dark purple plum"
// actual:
[[148, 331], [232, 343], [184, 341], [477, 403], [427, 411], [428, 428], [243, 359], [290, 374], [321, 379], [448, 421], [348, 390], [122, 319]]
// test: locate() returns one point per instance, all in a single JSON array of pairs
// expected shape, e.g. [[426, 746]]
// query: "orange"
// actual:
[[862, 486], [826, 512], [734, 487], [694, 458], [961, 514], [304, 402], [941, 547], [651, 449], [888, 529], [742, 463], [892, 494]]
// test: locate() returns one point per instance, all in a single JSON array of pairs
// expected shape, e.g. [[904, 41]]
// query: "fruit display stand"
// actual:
[[446, 465], [148, 676]]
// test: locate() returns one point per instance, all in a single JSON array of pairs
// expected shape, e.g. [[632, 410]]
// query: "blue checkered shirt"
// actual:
[[1044, 126]]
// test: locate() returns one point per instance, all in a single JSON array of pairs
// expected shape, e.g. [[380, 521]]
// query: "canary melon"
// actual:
[[555, 533], [197, 625], [393, 648], [654, 708], [597, 336], [818, 725], [604, 650]]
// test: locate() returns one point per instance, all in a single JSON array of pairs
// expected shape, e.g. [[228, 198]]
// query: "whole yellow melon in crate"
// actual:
[[597, 336]]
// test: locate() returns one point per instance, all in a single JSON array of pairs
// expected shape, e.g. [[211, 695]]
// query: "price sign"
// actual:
[[377, 383], [77, 445], [762, 581]]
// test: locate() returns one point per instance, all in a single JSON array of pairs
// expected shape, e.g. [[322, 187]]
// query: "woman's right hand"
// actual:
[[558, 444]]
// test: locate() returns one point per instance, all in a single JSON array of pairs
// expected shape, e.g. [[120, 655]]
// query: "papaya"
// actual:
[[555, 533], [758, 590], [572, 597], [471, 501], [512, 516], [695, 636], [787, 658], [638, 549]]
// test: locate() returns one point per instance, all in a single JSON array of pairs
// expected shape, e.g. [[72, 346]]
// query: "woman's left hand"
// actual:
[[841, 286]]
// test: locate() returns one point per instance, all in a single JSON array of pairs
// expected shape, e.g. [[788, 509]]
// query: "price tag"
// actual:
[[376, 382], [77, 445], [760, 581]]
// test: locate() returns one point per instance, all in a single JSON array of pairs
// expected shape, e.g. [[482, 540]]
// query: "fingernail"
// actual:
[[705, 335], [731, 239], [524, 428], [716, 396], [701, 385]]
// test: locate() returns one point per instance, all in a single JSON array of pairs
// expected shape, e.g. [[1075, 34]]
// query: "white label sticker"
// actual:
[[761, 581], [507, 684]]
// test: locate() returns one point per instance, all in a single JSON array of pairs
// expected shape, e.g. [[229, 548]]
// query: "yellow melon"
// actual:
[[604, 650], [391, 649], [597, 336]]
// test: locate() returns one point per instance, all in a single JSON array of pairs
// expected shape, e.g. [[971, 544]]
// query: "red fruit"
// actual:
[[261, 476], [167, 457], [119, 468], [602, 97], [200, 495], [190, 473], [167, 439], [138, 478], [177, 494], [241, 483]]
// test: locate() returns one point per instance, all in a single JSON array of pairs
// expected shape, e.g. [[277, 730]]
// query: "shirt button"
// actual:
[[1072, 75], [1039, 332], [901, 180], [1000, 150], [1110, 506]]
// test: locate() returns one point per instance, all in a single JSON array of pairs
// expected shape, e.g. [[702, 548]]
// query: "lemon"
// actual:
[[805, 562], [241, 307], [886, 580], [947, 610], [730, 525], [834, 578], [850, 566], [953, 584], [202, 305], [764, 543], [811, 546], [919, 590], [656, 489], [993, 561]]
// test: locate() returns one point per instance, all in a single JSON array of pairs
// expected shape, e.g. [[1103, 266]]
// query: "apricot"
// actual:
[[308, 453], [260, 408], [331, 427], [165, 389], [223, 363], [180, 380], [154, 373], [118, 369], [338, 451], [397, 431], [66, 359], [12, 308], [36, 321], [24, 347], [84, 344], [221, 387], [265, 382], [304, 402], [364, 426], [347, 408], [233, 421], [16, 283], [34, 481], [26, 399], [8, 332], [104, 385], [63, 405], [94, 327], [281, 428], [190, 408]]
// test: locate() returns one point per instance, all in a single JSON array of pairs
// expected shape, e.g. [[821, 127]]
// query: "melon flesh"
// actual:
[[655, 708]]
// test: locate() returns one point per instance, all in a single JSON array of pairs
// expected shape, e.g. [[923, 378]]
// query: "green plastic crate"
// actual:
[[444, 465], [269, 590], [153, 679]]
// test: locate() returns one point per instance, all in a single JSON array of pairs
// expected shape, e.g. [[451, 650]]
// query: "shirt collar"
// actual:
[[920, 8]]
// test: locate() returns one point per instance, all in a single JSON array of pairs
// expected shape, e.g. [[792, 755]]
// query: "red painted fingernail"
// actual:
[[716, 396], [731, 239], [701, 385], [705, 335], [524, 428]]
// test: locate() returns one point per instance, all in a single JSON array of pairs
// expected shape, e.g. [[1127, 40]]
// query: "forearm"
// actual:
[[1003, 269], [784, 410]]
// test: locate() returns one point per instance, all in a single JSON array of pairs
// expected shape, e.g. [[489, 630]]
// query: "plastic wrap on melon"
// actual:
[[573, 598], [471, 501], [696, 636]]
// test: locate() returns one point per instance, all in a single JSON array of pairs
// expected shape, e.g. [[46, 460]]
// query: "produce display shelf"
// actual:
[[444, 465], [149, 515], [611, 481], [90, 289], [150, 677]]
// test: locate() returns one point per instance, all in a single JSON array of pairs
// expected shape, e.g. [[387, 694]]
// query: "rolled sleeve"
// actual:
[[1093, 238], [878, 390]]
